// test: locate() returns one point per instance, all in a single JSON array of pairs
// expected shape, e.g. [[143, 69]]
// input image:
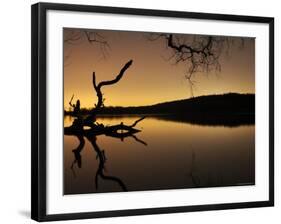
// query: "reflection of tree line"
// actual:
[[224, 120]]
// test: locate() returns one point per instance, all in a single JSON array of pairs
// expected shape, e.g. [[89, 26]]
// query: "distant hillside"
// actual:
[[230, 103]]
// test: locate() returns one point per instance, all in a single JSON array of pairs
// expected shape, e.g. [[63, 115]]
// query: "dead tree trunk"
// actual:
[[98, 88], [113, 131]]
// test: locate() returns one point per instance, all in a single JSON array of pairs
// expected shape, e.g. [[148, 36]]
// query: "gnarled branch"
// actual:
[[136, 122], [96, 129], [77, 36], [98, 87], [118, 77], [199, 53], [70, 101]]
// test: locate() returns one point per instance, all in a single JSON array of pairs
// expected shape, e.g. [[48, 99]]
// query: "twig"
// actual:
[[137, 121]]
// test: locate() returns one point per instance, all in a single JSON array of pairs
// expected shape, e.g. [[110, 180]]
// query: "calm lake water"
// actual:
[[166, 154]]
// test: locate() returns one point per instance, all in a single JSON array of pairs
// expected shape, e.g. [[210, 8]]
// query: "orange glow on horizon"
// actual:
[[151, 79]]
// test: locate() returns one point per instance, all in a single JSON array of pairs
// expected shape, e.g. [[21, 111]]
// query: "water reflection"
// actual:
[[180, 155], [226, 120], [100, 157]]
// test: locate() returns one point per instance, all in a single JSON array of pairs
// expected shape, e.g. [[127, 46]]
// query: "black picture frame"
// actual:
[[39, 122]]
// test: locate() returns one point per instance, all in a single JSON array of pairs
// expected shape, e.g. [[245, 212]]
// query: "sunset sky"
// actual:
[[152, 78]]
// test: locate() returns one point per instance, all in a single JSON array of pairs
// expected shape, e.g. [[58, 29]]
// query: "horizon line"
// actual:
[[193, 97]]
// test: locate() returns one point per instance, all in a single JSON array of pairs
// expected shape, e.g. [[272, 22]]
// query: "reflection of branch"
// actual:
[[100, 171], [78, 150], [72, 169], [195, 179], [138, 140], [201, 181], [77, 155], [100, 156]]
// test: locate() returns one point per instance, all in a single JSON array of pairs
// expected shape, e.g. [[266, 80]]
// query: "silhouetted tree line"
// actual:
[[230, 103]]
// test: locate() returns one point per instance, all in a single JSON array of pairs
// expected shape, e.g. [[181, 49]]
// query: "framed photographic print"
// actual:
[[138, 111]]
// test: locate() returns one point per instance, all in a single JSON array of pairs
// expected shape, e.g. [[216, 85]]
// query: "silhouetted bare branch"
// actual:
[[76, 36], [72, 36], [98, 87], [137, 121], [95, 37], [90, 120], [70, 101], [199, 53]]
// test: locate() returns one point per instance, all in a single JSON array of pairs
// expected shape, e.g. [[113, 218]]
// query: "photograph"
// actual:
[[148, 111]]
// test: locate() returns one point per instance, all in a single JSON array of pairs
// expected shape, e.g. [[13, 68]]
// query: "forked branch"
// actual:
[[136, 122], [98, 87]]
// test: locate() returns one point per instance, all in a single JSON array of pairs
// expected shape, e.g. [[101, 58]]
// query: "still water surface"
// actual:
[[166, 154]]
